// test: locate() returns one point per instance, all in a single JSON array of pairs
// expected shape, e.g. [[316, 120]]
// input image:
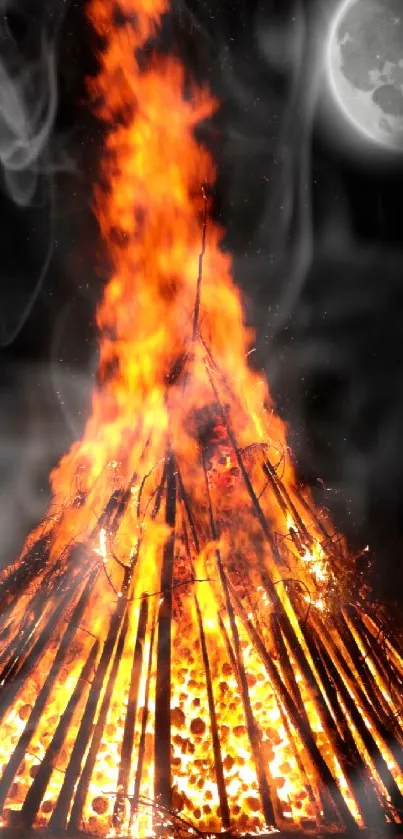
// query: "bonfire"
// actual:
[[178, 657]]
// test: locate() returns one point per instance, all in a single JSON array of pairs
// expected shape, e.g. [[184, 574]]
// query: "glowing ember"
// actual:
[[171, 657]]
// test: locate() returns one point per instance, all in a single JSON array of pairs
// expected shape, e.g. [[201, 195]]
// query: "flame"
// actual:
[[168, 659]]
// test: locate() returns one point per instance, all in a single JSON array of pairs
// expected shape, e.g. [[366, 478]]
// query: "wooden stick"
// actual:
[[99, 730], [280, 489], [298, 721], [313, 513], [222, 792], [19, 646], [144, 721], [12, 687], [228, 645], [372, 688], [328, 719], [285, 664], [344, 750], [196, 310], [364, 732], [53, 585], [162, 743], [268, 471], [160, 492], [37, 790], [60, 813], [219, 770], [373, 647], [347, 750], [43, 695], [247, 481], [22, 574], [377, 723], [320, 803], [265, 795], [130, 721]]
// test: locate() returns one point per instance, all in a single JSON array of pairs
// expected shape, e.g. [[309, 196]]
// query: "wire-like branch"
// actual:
[[175, 586], [196, 311]]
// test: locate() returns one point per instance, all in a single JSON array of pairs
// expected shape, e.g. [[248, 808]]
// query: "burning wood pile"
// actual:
[[176, 654]]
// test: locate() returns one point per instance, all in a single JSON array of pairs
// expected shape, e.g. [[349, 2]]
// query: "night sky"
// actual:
[[314, 223]]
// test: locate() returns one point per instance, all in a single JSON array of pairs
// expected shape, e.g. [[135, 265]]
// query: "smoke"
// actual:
[[33, 433], [264, 63], [29, 155], [42, 219], [28, 100], [285, 45], [73, 379]]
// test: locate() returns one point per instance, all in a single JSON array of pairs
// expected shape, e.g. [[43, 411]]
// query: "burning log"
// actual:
[[24, 741], [313, 515], [367, 737], [352, 761], [294, 713], [13, 654], [321, 802], [343, 679], [286, 503], [60, 813], [82, 788], [130, 721], [13, 680], [374, 647], [37, 790], [18, 578], [373, 689], [292, 687], [346, 697], [196, 310], [267, 804], [225, 814], [142, 740], [163, 783]]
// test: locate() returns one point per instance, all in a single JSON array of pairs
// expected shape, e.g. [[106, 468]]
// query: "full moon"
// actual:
[[365, 67]]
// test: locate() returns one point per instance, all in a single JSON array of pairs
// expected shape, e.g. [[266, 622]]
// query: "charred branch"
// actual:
[[130, 721], [293, 710], [163, 783], [13, 684], [82, 788], [222, 792], [144, 720], [44, 694], [266, 799], [37, 790], [61, 811]]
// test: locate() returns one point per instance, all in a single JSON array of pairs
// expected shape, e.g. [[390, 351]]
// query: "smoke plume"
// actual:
[[28, 155]]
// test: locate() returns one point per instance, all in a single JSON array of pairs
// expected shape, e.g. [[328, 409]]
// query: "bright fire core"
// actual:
[[172, 657]]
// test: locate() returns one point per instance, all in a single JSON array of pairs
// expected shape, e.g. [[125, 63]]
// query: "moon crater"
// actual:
[[365, 67]]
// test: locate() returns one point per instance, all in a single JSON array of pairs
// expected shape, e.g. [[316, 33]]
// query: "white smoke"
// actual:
[[33, 435], [72, 383], [29, 153], [28, 102]]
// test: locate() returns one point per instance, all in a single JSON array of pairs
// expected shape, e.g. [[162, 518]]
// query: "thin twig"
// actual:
[[175, 586], [196, 312]]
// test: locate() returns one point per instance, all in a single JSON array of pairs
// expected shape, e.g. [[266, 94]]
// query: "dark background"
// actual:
[[314, 223]]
